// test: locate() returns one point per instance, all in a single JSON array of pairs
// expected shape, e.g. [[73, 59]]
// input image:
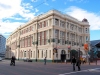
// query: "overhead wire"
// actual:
[[41, 3]]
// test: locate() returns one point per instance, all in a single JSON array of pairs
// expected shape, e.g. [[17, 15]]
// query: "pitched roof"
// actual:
[[94, 42], [98, 45]]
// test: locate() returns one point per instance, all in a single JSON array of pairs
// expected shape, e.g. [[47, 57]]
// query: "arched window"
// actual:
[[38, 53], [63, 52], [31, 54], [34, 54], [25, 54]]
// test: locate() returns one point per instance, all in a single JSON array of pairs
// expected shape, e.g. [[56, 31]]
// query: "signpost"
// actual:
[[86, 48]]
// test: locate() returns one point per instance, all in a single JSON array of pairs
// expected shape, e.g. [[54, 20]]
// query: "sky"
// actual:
[[14, 13]]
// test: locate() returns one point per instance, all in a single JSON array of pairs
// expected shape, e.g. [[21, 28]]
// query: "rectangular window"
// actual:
[[57, 22], [42, 38], [63, 24], [25, 54], [47, 37], [28, 41], [44, 23], [87, 30], [63, 41], [47, 23], [87, 38], [31, 54], [67, 24], [56, 35], [40, 24]]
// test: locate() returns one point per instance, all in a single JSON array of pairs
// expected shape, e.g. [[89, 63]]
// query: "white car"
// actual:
[[0, 59]]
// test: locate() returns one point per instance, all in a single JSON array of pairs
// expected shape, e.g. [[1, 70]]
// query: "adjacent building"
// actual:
[[39, 37], [2, 45], [95, 49]]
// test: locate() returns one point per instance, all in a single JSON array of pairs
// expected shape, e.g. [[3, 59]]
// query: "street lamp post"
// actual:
[[79, 54], [18, 51], [56, 52]]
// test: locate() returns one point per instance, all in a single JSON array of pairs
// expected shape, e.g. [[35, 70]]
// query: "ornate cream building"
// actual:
[[37, 38]]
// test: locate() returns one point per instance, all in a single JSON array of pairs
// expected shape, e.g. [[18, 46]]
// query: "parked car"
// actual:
[[27, 60], [0, 59]]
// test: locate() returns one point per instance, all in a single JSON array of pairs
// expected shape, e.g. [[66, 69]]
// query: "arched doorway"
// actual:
[[63, 55]]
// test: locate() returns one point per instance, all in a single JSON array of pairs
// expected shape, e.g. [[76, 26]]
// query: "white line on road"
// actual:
[[80, 71]]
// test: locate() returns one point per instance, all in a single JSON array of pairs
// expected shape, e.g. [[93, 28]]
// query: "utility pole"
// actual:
[[37, 40], [56, 52], [18, 44]]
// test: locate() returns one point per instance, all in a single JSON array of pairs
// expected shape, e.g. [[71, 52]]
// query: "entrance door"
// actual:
[[63, 57]]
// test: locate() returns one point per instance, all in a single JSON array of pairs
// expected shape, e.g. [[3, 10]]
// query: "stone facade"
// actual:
[[37, 38]]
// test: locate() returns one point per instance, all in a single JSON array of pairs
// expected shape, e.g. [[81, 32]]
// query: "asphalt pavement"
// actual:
[[38, 68]]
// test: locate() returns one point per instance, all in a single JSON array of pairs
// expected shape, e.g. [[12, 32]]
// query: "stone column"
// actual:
[[48, 22], [48, 37], [53, 21]]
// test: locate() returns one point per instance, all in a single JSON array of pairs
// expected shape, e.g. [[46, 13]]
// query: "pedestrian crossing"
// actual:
[[88, 70]]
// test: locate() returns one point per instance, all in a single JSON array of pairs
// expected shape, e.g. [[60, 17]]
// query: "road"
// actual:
[[33, 68]]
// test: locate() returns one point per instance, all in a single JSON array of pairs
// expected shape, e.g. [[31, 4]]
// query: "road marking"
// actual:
[[95, 70], [73, 72]]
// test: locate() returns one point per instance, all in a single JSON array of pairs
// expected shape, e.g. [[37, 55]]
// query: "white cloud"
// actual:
[[8, 27], [46, 3], [16, 18], [27, 5], [26, 14], [36, 10], [80, 14], [9, 9]]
